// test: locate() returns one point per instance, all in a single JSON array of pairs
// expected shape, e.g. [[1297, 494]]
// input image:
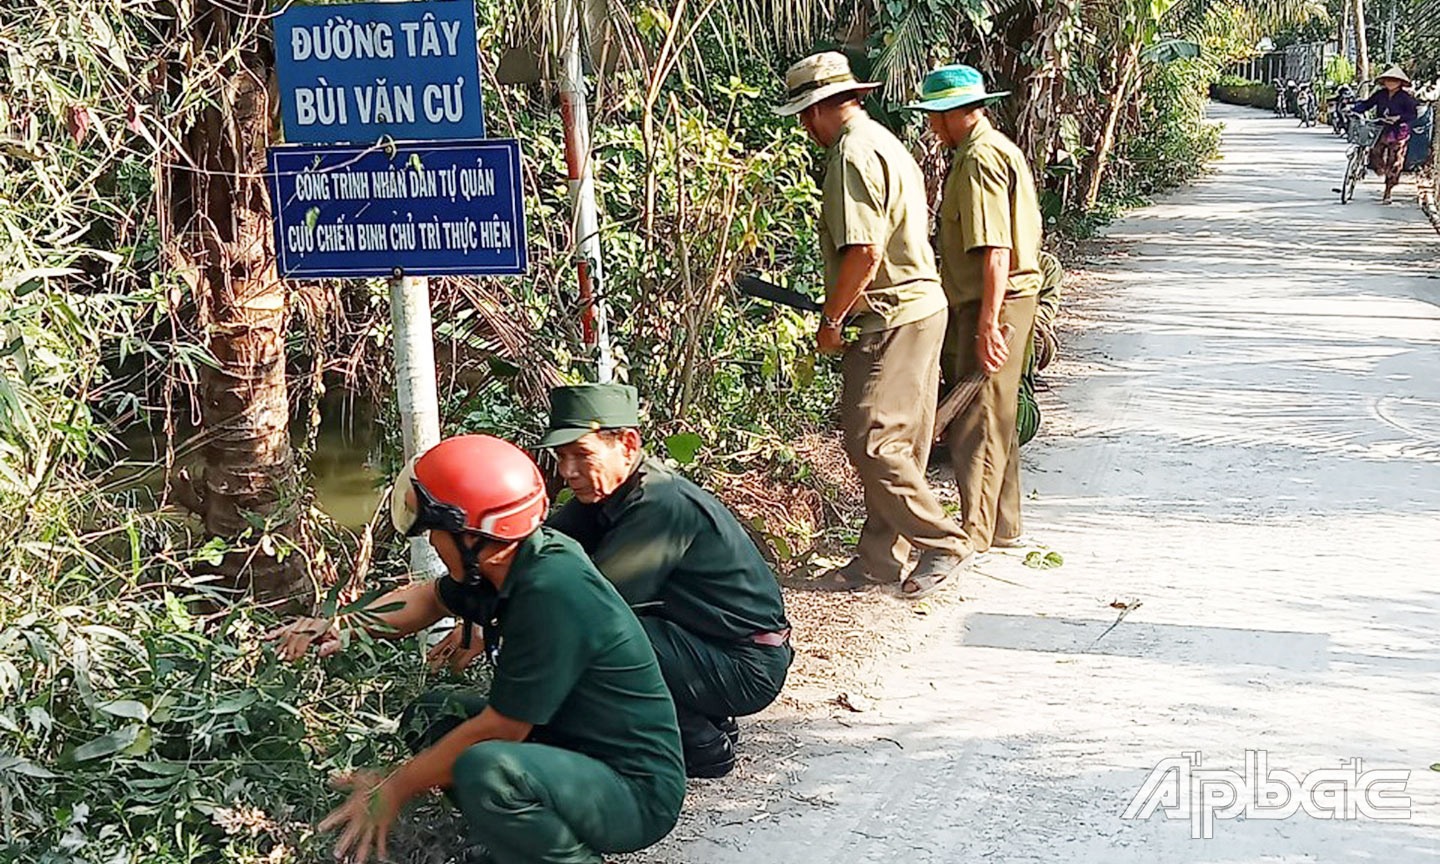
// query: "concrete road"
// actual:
[[1246, 451]]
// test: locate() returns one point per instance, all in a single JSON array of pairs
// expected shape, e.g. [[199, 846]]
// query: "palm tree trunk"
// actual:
[[1096, 173], [1362, 43], [1038, 120], [249, 486]]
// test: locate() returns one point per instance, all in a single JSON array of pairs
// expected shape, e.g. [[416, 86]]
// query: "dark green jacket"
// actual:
[[673, 550]]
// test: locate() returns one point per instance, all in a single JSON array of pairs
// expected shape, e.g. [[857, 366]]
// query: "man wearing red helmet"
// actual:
[[705, 596], [575, 750]]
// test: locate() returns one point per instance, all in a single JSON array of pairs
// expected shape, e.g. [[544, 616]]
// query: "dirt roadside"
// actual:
[[845, 643]]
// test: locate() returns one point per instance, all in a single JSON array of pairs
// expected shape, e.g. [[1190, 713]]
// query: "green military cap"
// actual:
[[584, 408]]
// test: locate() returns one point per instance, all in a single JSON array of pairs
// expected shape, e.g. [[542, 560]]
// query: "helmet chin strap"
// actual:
[[470, 559]]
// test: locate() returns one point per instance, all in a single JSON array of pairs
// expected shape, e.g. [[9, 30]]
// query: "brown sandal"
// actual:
[[932, 571], [914, 587]]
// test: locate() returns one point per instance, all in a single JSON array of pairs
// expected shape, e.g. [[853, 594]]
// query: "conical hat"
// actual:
[[1394, 72]]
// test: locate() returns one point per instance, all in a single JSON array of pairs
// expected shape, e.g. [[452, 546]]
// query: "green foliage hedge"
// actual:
[[1255, 95]]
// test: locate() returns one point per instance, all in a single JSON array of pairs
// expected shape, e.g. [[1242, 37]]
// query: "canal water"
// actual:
[[343, 467]]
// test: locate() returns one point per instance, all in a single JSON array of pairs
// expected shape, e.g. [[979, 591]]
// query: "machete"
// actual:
[[959, 397], [752, 286]]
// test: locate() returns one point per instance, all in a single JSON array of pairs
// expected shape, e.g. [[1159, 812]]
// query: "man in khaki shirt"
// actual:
[[990, 233], [880, 272]]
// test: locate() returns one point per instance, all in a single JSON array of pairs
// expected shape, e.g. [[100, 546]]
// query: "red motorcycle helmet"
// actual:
[[471, 484]]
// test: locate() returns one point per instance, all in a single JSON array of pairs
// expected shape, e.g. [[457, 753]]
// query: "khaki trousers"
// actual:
[[888, 417], [984, 447]]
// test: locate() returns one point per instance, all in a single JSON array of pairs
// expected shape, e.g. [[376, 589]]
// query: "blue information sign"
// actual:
[[431, 209], [356, 72]]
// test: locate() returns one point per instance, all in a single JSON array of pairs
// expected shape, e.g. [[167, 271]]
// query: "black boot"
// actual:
[[708, 751], [715, 759], [728, 726]]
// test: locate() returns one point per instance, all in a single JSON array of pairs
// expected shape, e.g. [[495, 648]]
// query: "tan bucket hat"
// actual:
[[816, 78], [1394, 72]]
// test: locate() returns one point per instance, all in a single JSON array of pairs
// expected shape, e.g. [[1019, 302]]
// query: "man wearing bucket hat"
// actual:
[[1396, 109], [880, 274], [990, 233], [574, 751]]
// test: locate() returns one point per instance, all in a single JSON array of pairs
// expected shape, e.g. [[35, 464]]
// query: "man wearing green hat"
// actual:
[[880, 275], [705, 597], [990, 238]]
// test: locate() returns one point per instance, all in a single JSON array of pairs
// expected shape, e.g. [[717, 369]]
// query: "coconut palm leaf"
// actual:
[[1170, 50], [1185, 15]]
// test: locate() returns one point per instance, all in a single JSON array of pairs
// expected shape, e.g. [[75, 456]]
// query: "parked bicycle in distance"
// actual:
[[1341, 117]]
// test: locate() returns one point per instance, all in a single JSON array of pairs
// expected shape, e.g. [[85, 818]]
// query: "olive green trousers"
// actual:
[[709, 679], [531, 803]]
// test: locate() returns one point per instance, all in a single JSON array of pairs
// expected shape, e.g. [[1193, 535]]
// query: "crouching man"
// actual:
[[705, 597], [575, 750]]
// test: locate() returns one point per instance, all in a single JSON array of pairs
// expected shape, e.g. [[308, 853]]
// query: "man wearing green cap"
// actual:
[[990, 233], [704, 595], [880, 274]]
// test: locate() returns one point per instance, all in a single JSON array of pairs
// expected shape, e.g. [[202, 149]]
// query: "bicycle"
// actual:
[[1339, 109], [1362, 138]]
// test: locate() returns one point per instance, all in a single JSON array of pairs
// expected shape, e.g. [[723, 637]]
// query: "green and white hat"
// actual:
[[954, 86]]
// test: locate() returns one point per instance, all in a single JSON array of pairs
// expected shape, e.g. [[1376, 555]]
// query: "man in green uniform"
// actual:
[[575, 751], [880, 273], [705, 596], [1041, 349], [990, 233]]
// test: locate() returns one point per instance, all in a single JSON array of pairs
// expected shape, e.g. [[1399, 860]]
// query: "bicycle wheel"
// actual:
[[1352, 176]]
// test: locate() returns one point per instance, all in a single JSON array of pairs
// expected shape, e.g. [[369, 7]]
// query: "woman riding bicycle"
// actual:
[[1395, 109]]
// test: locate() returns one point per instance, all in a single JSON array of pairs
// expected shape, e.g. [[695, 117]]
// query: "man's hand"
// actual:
[[830, 340], [858, 264], [296, 638], [365, 818], [1047, 344], [991, 347], [448, 651]]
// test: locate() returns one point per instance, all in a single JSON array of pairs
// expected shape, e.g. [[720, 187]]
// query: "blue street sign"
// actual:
[[355, 72], [432, 209]]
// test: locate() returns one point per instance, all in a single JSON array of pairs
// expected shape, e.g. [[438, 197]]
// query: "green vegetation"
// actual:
[[1255, 94]]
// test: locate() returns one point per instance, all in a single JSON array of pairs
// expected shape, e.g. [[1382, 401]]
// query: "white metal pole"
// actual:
[[576, 118], [415, 388]]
